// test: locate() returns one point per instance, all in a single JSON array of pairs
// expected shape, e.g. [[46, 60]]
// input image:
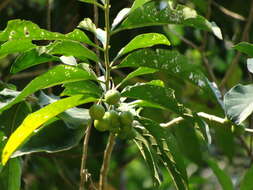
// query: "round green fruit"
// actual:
[[112, 97], [96, 112], [102, 125], [114, 120], [126, 118]]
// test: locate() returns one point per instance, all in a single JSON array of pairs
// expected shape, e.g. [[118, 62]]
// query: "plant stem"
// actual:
[[107, 44], [106, 161], [83, 171]]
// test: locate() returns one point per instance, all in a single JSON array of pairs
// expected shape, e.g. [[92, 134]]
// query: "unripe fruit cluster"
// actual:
[[114, 121]]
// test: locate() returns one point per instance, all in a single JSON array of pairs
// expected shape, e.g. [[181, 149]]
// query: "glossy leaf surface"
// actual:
[[38, 118]]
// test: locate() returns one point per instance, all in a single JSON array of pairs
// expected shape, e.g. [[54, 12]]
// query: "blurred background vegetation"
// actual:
[[60, 171]]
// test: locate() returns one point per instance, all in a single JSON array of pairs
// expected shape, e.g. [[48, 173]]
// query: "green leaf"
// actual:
[[163, 13], [187, 137], [12, 118], [239, 103], [15, 46], [138, 72], [247, 183], [27, 30], [149, 156], [45, 139], [10, 177], [71, 48], [38, 118], [169, 152], [222, 177], [29, 59], [143, 41], [138, 3], [159, 95], [120, 17], [170, 62], [245, 47], [87, 24], [57, 75], [82, 87]]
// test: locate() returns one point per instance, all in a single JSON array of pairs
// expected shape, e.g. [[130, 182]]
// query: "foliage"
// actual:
[[136, 92]]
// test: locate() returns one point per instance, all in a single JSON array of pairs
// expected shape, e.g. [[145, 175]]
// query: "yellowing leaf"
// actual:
[[38, 118]]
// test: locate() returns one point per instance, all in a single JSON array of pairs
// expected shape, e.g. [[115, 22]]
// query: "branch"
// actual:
[[238, 55], [206, 116], [83, 171], [228, 12], [105, 166]]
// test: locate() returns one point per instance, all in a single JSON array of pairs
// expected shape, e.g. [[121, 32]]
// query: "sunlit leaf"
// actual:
[[27, 30], [162, 13], [29, 59], [71, 48], [159, 95], [168, 61], [138, 72], [239, 103], [120, 17], [81, 87], [57, 75], [143, 41], [38, 118]]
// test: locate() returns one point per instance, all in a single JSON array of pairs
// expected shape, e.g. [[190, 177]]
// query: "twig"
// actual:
[[105, 166], [228, 12], [238, 55], [206, 116], [83, 171]]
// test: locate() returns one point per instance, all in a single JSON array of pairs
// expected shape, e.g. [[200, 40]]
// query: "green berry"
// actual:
[[102, 125], [114, 120], [126, 118], [112, 97], [96, 112]]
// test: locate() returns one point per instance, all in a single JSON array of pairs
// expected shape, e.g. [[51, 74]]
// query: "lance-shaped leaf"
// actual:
[[82, 87], [169, 152], [138, 72], [15, 46], [149, 156], [45, 139], [38, 118], [71, 48], [10, 177], [169, 61], [155, 94], [143, 41], [27, 30], [138, 3], [162, 13], [239, 103], [120, 17], [29, 59], [247, 183], [245, 47], [223, 178], [57, 75]]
